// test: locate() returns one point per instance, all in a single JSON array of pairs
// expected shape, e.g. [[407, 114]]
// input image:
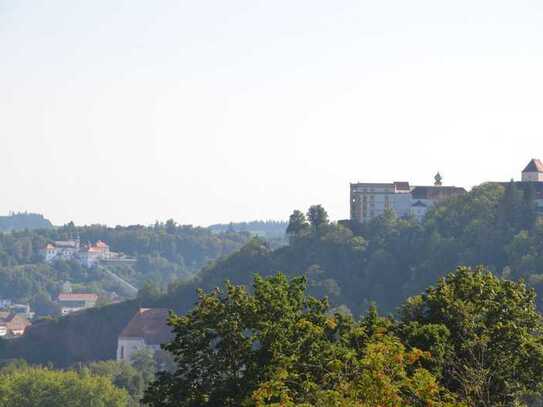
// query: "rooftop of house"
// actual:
[[12, 320], [149, 324], [534, 165], [78, 297]]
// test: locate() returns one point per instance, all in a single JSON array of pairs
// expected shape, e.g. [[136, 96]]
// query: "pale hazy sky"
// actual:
[[124, 112]]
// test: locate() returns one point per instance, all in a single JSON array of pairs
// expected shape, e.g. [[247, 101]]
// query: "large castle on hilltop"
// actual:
[[369, 200]]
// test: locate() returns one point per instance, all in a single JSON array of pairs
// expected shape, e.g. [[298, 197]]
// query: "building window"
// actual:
[[122, 352]]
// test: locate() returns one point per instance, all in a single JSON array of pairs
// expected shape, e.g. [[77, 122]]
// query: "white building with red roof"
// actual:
[[88, 255], [91, 255]]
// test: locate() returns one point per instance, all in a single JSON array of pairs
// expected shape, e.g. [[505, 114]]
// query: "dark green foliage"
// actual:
[[317, 216], [297, 223], [484, 333], [133, 377], [280, 347], [121, 374], [473, 338]]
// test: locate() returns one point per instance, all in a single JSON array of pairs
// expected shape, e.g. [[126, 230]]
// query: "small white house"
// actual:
[[148, 329]]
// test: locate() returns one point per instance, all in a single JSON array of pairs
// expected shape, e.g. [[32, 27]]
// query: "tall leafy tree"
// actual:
[[317, 216], [280, 347], [297, 223], [484, 332]]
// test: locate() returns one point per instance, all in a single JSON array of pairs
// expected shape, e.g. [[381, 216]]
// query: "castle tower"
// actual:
[[533, 171]]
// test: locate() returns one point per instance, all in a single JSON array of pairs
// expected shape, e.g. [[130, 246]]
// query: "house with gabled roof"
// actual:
[[148, 329]]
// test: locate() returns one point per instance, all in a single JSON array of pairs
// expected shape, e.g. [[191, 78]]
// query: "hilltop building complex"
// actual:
[[88, 255], [369, 200]]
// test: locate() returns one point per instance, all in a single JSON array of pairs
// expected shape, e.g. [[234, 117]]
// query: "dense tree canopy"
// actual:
[[473, 339], [34, 386], [484, 333], [281, 347]]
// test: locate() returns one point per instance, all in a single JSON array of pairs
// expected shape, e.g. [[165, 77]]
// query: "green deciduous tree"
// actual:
[[33, 387], [122, 375], [317, 216], [297, 223], [144, 362], [485, 335], [279, 347]]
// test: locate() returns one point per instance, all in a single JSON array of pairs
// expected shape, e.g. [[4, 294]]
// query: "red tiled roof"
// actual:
[[149, 324], [77, 297]]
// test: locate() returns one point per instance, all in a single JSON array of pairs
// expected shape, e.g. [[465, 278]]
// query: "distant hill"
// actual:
[[24, 220], [268, 229]]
